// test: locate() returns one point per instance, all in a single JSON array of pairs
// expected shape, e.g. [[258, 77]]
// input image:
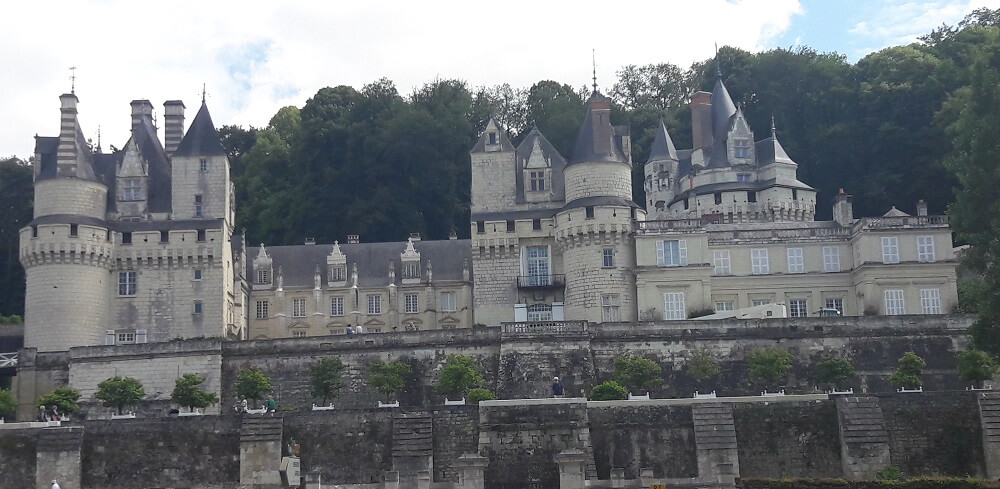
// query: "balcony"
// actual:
[[544, 327], [541, 281], [901, 222]]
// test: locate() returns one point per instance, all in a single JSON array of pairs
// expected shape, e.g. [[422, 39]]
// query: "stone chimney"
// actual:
[[353, 239], [173, 123], [142, 111], [921, 208], [701, 120], [310, 241], [453, 234], [414, 237], [843, 209], [68, 126]]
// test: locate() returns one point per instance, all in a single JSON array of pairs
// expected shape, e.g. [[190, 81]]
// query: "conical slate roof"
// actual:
[[202, 139], [596, 140], [663, 147], [723, 111]]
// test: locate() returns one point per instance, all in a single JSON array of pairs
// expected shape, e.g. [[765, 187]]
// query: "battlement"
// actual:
[[66, 243]]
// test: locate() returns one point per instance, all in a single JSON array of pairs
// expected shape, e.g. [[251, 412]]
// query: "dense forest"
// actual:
[[380, 164]]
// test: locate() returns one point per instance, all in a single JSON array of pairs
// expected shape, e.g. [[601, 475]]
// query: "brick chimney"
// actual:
[[843, 209], [142, 111], [921, 208], [66, 156], [353, 239], [173, 123], [701, 120]]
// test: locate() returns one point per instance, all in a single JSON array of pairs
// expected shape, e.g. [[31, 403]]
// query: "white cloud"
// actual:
[[896, 22], [256, 56]]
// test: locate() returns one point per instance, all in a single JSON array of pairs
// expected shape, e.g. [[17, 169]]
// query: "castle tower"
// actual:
[[493, 171], [200, 173], [66, 250], [661, 171], [594, 230]]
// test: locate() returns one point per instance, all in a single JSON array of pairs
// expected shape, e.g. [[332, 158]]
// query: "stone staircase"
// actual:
[[412, 447], [989, 416], [715, 441], [261, 429], [864, 440]]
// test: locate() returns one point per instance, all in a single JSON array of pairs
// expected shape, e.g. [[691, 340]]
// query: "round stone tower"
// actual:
[[67, 249], [594, 230]]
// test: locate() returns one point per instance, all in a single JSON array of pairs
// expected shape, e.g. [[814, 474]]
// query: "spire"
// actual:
[[774, 133], [723, 111], [202, 139], [72, 80], [596, 140], [663, 146], [718, 64], [593, 62]]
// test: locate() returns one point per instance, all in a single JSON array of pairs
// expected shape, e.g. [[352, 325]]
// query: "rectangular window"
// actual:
[[374, 304], [299, 308], [671, 253], [589, 210], [890, 249], [203, 165], [718, 198], [510, 226], [164, 236], [537, 180], [894, 304], [673, 306], [197, 274], [263, 276], [338, 274], [925, 248], [835, 303], [126, 283], [493, 138], [796, 263], [480, 227], [536, 224], [539, 272], [797, 308], [795, 194], [131, 189], [197, 206], [201, 236], [336, 306], [760, 302], [758, 261], [411, 270], [262, 312], [298, 334], [448, 302], [743, 177], [610, 307], [74, 229], [126, 237], [540, 312], [930, 301], [34, 231], [197, 307], [723, 262], [723, 306], [410, 304], [125, 338], [741, 148], [831, 259], [751, 196], [608, 257]]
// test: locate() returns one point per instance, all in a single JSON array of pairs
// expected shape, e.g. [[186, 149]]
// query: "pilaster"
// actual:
[[572, 468], [471, 471]]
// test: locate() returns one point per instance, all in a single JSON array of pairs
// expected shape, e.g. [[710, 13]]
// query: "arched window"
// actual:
[[540, 312]]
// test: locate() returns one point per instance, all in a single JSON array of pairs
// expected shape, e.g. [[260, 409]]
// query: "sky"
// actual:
[[254, 57]]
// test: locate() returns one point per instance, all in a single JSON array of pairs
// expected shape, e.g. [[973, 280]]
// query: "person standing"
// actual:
[[557, 387], [55, 485]]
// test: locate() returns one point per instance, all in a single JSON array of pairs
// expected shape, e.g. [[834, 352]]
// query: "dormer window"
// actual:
[[263, 277], [536, 181], [493, 138], [741, 148], [743, 177], [338, 274], [132, 189], [411, 270]]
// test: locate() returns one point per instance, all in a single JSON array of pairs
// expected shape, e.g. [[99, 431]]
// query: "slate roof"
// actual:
[[597, 140], [46, 148], [556, 163], [298, 262], [663, 147], [159, 197], [202, 139], [770, 151], [505, 144], [723, 111]]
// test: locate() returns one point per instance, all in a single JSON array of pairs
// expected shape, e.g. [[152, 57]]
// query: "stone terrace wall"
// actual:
[[456, 432], [935, 433], [788, 439], [349, 446], [657, 437], [17, 457]]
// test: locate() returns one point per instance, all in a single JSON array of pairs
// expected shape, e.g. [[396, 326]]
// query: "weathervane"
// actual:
[[72, 80]]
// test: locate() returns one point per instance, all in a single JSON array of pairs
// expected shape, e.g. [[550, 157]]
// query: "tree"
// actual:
[[480, 394], [15, 213], [458, 375], [252, 384], [63, 398], [188, 392], [835, 371], [118, 392], [388, 378], [702, 365], [909, 371], [609, 391], [326, 378], [8, 404], [637, 373], [769, 365], [976, 366]]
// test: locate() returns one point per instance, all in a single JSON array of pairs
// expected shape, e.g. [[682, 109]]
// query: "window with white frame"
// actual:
[[336, 306], [723, 262], [299, 307], [263, 276], [831, 259], [410, 304], [894, 304], [125, 337], [262, 309], [411, 270], [795, 262], [610, 307], [758, 261], [537, 264], [741, 148], [198, 307], [671, 253], [925, 248], [126, 283], [374, 304], [197, 274], [721, 306], [298, 334], [930, 301], [338, 273], [536, 180], [797, 308], [673, 306], [890, 249], [608, 257], [540, 312], [203, 165], [448, 302], [835, 303], [760, 302]]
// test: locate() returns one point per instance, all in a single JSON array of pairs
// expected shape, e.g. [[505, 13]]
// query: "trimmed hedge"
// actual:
[[915, 483]]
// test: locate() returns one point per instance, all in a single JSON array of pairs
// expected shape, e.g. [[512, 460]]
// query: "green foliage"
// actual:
[[458, 375], [769, 365], [908, 371], [188, 392], [479, 394], [637, 373], [252, 384], [890, 473], [118, 392], [609, 391], [8, 404], [388, 378], [702, 365], [64, 398], [16, 178], [835, 371], [976, 366], [972, 292], [326, 378]]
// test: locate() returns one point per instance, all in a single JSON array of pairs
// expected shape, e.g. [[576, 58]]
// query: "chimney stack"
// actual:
[[173, 123], [353, 239], [701, 120], [414, 237], [142, 111], [921, 208], [68, 126], [843, 209]]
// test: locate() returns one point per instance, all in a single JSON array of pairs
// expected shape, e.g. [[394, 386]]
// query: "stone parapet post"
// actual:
[[390, 480], [260, 450], [471, 471], [864, 440], [989, 418], [715, 442], [314, 480], [58, 457], [572, 468]]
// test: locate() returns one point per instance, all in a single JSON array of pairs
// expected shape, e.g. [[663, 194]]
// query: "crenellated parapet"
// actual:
[[54, 244]]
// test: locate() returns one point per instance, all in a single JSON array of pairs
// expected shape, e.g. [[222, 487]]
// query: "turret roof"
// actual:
[[723, 110], [663, 147], [596, 140], [202, 139]]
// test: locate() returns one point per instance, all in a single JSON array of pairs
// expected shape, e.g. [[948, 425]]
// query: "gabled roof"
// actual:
[[46, 149], [894, 212], [770, 151], [144, 135], [493, 126], [202, 139], [596, 140], [663, 147], [556, 163]]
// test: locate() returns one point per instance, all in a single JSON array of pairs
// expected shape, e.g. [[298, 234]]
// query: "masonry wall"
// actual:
[[456, 432], [657, 437], [17, 458], [345, 446], [934, 433], [788, 439], [497, 269]]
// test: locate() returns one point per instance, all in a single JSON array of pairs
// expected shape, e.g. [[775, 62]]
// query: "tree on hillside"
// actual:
[[64, 398], [188, 392], [8, 405], [118, 392], [637, 374], [702, 365], [976, 366], [388, 378], [15, 213], [458, 375], [835, 372], [326, 378], [609, 391], [909, 372], [769, 365], [252, 384]]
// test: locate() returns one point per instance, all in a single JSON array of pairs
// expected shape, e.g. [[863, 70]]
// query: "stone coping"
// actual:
[[653, 402]]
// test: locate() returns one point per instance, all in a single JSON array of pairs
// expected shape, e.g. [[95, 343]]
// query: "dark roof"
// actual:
[[538, 213], [599, 200], [201, 139], [46, 149], [556, 163], [596, 140], [663, 147], [770, 151], [299, 262], [505, 144], [159, 197], [723, 111], [68, 219]]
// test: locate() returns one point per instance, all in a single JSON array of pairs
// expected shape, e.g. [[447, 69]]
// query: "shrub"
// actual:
[[252, 384], [388, 378], [976, 366], [609, 391], [702, 365], [769, 365], [326, 378], [118, 392], [835, 371], [188, 392], [458, 375], [8, 405], [637, 373], [480, 394], [890, 473], [63, 398], [909, 371]]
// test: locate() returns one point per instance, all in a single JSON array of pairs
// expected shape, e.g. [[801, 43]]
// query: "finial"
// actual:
[[773, 131], [718, 64], [72, 78], [98, 137], [203, 93], [593, 61]]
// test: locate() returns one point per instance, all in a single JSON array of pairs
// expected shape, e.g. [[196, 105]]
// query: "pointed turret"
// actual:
[[597, 139], [200, 173], [202, 139], [723, 111], [493, 139], [661, 171], [663, 147]]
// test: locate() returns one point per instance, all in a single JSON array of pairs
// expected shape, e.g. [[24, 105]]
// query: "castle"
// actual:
[[138, 245]]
